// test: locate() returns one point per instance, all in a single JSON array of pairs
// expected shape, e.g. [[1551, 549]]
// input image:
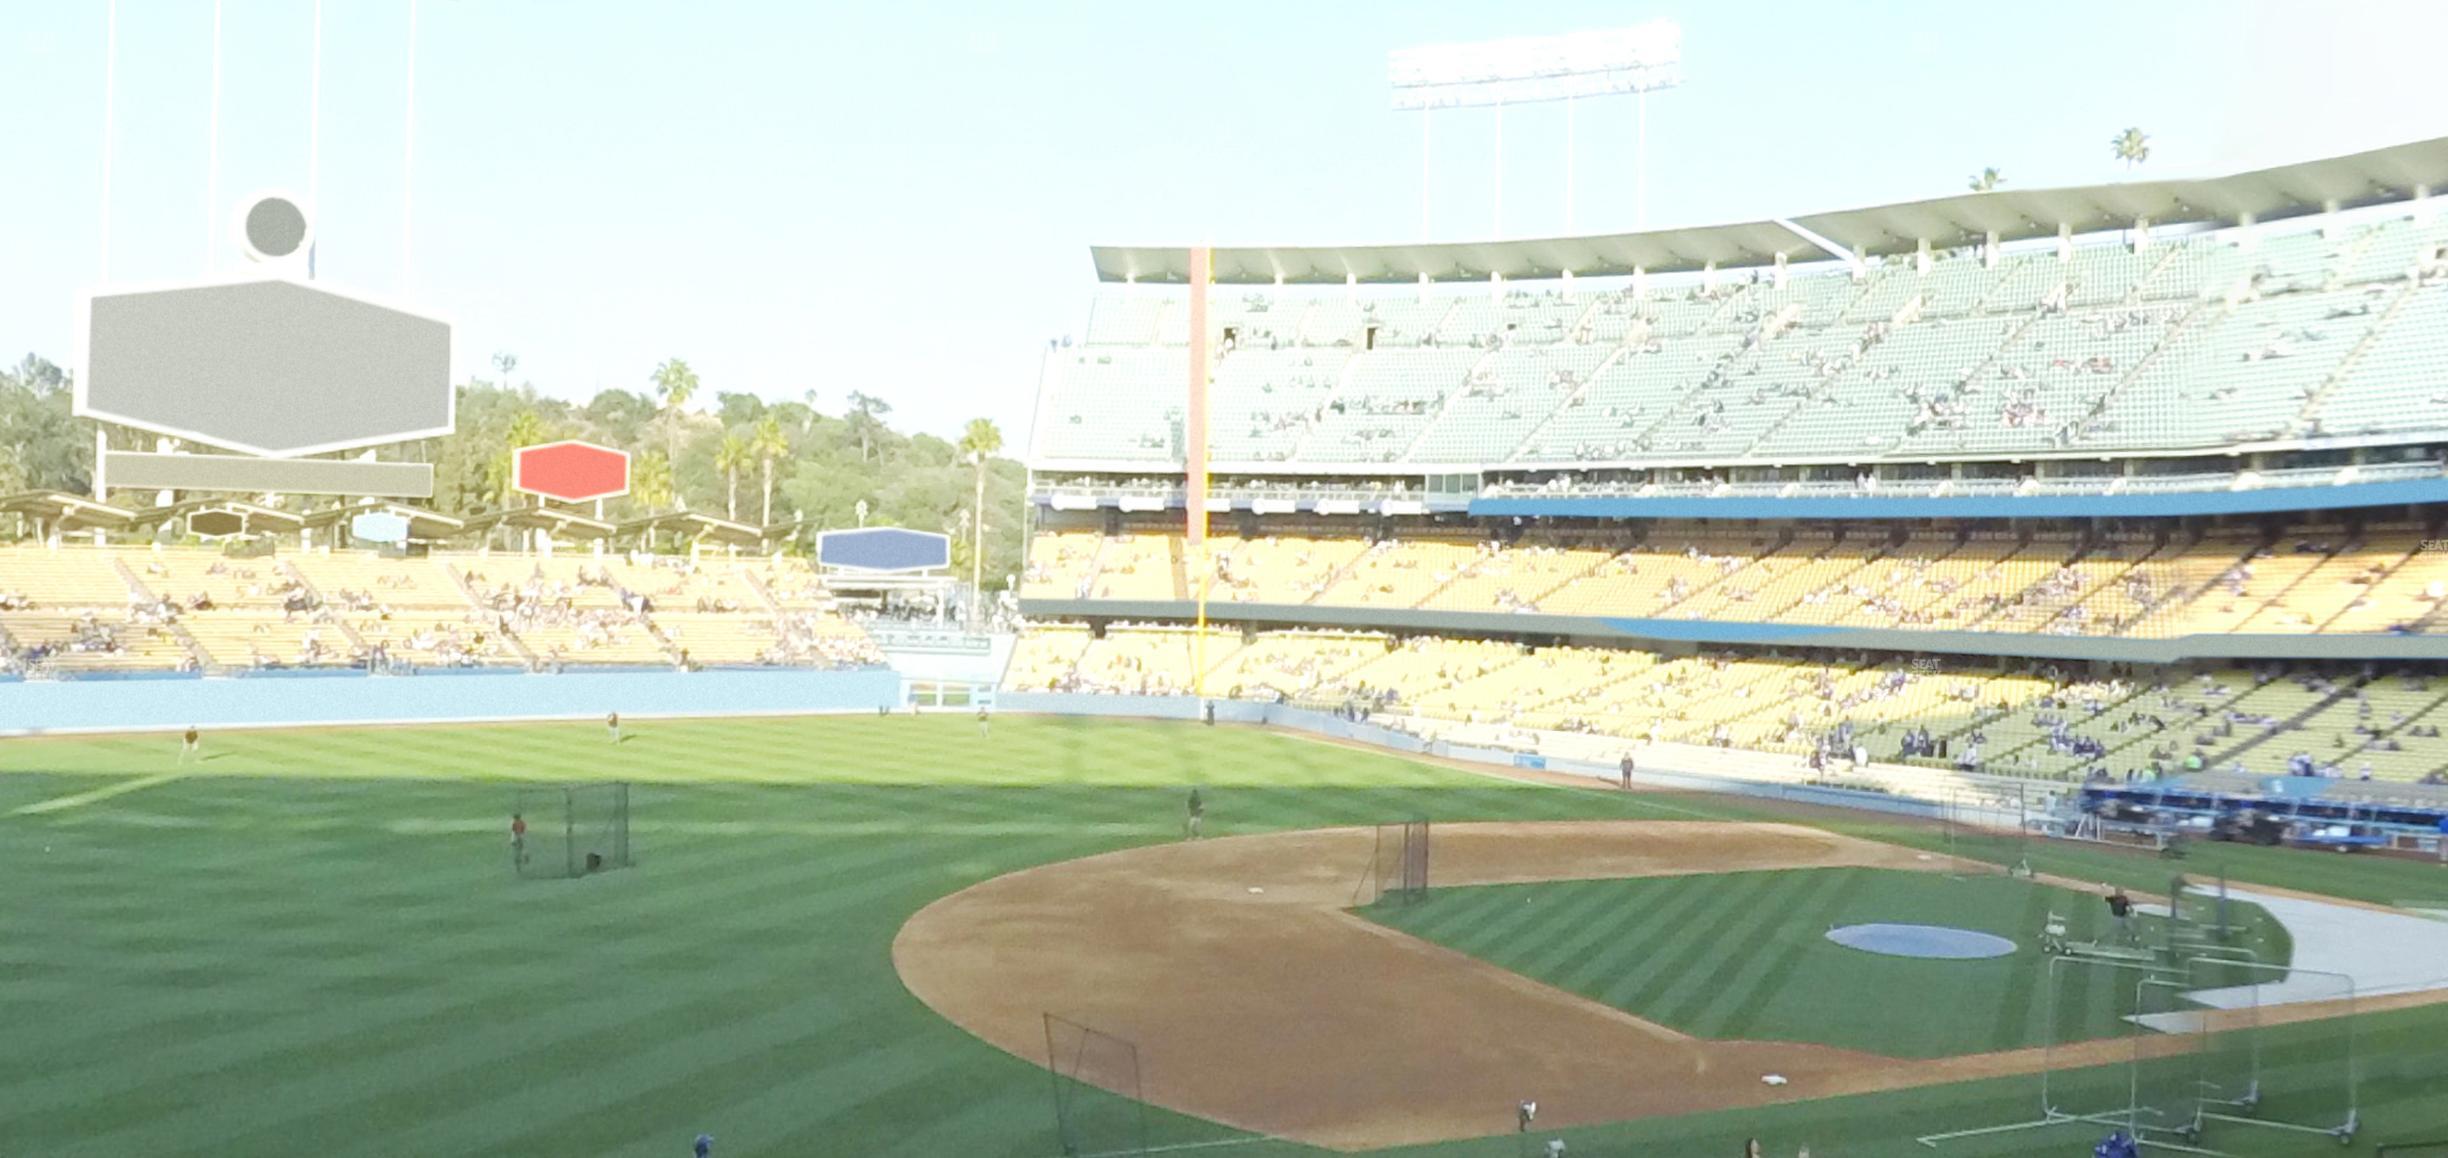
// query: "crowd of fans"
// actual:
[[262, 615]]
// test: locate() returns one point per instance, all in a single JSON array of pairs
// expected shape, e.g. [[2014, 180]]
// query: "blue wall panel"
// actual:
[[38, 706], [2389, 494]]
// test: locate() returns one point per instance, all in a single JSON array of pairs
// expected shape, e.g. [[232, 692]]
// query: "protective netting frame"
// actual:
[[2112, 1086], [1400, 856], [1099, 1104], [565, 823], [2213, 1013], [1986, 832], [2318, 1089], [2201, 916], [2167, 1083]]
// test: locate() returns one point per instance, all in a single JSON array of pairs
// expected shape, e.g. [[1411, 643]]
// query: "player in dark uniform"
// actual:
[[1626, 771], [191, 746], [2120, 907], [1198, 815], [518, 840]]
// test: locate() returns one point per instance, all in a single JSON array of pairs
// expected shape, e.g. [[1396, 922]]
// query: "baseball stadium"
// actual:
[[1958, 676]]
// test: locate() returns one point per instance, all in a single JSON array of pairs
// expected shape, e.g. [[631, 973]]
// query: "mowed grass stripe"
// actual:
[[2019, 1018], [447, 991], [1733, 946], [535, 1036], [1653, 915], [1576, 913], [1730, 1008], [1602, 922], [521, 1110], [1686, 946]]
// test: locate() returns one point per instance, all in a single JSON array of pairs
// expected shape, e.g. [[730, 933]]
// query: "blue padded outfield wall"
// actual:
[[2167, 503], [36, 707]]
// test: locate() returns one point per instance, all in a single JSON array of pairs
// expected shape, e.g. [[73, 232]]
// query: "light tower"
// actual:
[[1525, 70]]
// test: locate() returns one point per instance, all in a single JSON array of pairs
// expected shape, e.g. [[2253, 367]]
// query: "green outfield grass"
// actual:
[[1745, 955], [312, 943]]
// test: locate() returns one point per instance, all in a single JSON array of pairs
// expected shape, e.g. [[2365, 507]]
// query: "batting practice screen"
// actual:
[[572, 831]]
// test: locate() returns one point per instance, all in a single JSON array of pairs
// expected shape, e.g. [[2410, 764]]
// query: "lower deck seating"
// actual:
[[75, 608], [2139, 580], [2011, 717]]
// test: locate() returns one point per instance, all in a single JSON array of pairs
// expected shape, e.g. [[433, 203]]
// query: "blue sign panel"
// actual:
[[379, 527], [884, 549]]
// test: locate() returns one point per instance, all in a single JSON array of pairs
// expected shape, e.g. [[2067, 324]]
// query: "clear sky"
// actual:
[[897, 197]]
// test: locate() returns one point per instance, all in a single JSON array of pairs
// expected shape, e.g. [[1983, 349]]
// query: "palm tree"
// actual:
[[650, 480], [979, 441], [809, 397], [768, 443], [525, 429], [503, 364], [1988, 180], [730, 458], [2131, 146], [677, 384], [650, 485]]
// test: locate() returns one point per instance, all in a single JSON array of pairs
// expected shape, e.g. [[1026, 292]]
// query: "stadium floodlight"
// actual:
[[1529, 69], [1634, 61]]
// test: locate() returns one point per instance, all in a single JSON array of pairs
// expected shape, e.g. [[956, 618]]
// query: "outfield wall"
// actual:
[[45, 707]]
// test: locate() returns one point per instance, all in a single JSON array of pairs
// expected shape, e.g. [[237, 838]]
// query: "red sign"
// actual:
[[570, 472]]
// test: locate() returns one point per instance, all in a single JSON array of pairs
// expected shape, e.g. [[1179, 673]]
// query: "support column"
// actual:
[[2065, 241], [1921, 258], [1989, 250]]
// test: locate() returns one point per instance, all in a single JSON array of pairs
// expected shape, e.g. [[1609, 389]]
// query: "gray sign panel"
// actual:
[[267, 367], [132, 470]]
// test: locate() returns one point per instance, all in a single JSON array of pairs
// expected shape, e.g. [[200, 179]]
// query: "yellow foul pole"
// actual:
[[1194, 466]]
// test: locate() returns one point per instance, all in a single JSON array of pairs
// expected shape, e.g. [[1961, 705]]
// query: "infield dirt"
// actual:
[[1258, 1001]]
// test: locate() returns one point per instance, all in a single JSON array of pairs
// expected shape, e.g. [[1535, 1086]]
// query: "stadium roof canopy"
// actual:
[[2395, 173], [64, 512], [251, 517], [565, 524], [422, 523], [695, 526]]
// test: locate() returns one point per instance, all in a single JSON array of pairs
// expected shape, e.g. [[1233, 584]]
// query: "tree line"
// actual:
[[731, 454]]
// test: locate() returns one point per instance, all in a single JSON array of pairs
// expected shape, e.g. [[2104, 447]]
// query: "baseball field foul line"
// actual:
[[81, 799]]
